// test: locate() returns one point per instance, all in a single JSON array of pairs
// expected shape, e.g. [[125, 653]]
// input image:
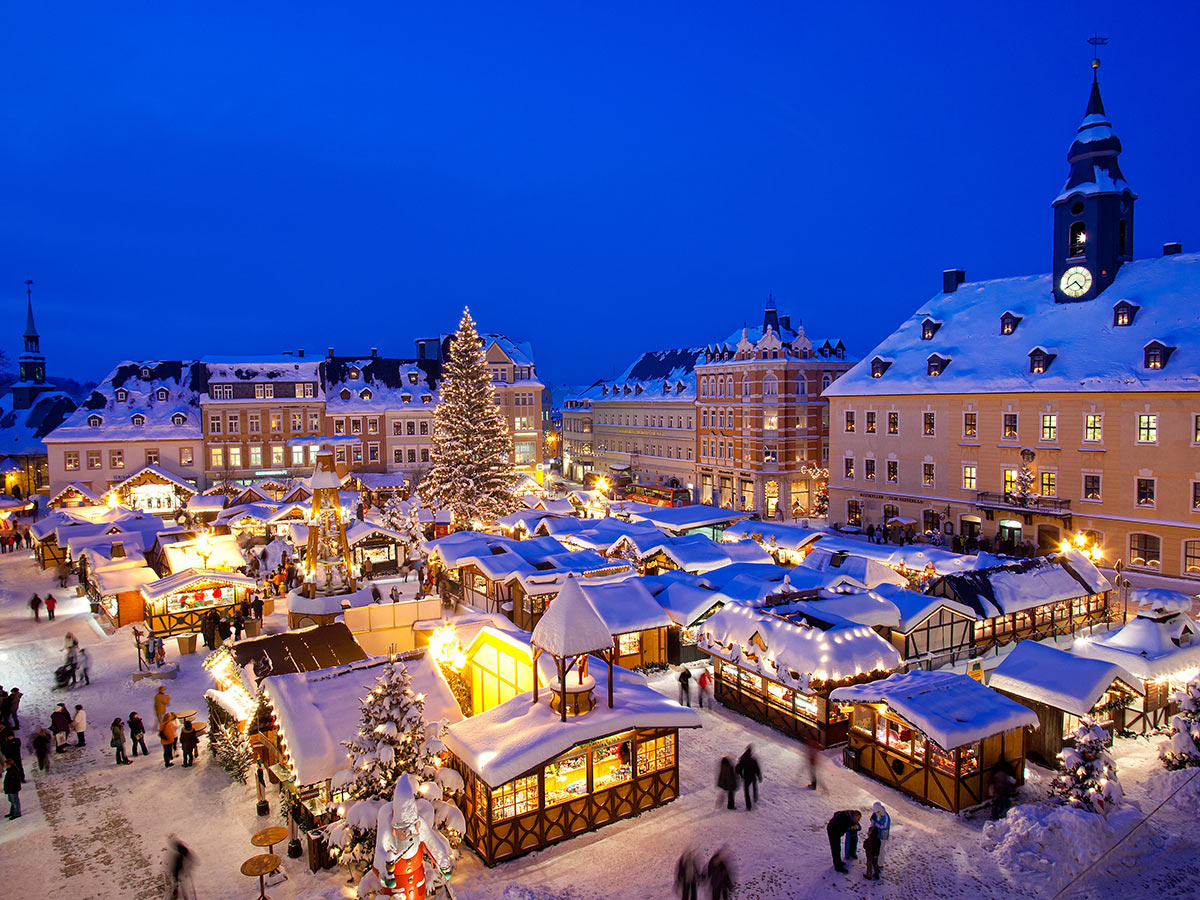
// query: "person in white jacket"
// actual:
[[79, 725]]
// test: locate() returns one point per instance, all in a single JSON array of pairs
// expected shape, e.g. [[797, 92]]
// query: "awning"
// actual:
[[902, 520], [619, 467]]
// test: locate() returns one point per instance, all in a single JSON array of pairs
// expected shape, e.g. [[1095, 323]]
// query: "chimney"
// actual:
[[1172, 248], [785, 322], [374, 351], [951, 279], [300, 352], [330, 353]]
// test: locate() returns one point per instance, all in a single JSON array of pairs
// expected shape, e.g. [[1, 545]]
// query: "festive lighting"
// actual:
[[446, 649]]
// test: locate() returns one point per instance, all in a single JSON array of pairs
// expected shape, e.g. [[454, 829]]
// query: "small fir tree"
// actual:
[[392, 515], [1088, 779], [470, 474], [1025, 482], [232, 750], [821, 500], [1182, 751]]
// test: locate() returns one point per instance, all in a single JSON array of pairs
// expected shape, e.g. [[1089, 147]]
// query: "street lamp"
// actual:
[[204, 547]]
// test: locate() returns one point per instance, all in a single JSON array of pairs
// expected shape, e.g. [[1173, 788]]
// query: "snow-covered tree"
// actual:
[[392, 740], [1182, 751], [821, 500], [470, 474], [392, 515], [1025, 482], [1088, 779], [232, 750]]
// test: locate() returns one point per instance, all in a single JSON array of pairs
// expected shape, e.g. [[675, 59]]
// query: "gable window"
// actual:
[[121, 395], [145, 372], [1093, 427], [936, 365], [1008, 323], [1049, 427], [893, 471], [1147, 432], [1078, 239], [1156, 355], [849, 421], [1010, 426], [1123, 313], [869, 469], [94, 421], [161, 394], [137, 420], [870, 423], [928, 424], [879, 365], [1039, 360], [1145, 550], [969, 478], [1091, 487], [893, 423], [365, 394], [929, 328], [927, 474], [970, 424]]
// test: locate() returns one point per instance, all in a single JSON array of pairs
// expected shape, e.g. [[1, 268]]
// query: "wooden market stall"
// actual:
[[154, 489], [936, 736], [1061, 688], [175, 604], [688, 603], [74, 495]]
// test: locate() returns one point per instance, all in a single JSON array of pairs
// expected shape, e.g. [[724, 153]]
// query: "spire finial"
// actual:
[[30, 329], [1097, 42]]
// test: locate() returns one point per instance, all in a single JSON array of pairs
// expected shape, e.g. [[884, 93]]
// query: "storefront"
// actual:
[[383, 548], [118, 592], [178, 603], [155, 490]]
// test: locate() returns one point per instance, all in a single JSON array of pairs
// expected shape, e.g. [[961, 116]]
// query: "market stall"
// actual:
[[937, 736], [177, 603], [154, 489]]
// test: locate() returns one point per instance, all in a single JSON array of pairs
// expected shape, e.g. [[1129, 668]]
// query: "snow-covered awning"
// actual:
[[184, 581], [1057, 678]]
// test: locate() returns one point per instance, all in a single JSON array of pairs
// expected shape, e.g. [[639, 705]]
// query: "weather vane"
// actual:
[[1097, 42]]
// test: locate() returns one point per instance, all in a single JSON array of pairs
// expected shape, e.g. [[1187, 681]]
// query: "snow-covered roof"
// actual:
[[121, 579], [773, 534], [952, 710], [658, 375], [224, 553], [153, 473], [318, 710], [98, 546], [624, 606], [377, 383], [285, 369], [682, 518], [1151, 647], [1092, 353], [510, 739], [139, 385], [76, 487], [203, 503], [911, 556], [1056, 678], [915, 607], [22, 430], [182, 581], [861, 570], [1017, 585], [571, 626], [684, 601]]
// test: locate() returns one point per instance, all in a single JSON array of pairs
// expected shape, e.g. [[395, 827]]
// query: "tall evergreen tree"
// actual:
[[1088, 779], [471, 474], [1182, 751]]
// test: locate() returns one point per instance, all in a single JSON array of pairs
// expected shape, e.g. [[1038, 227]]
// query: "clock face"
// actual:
[[1076, 281]]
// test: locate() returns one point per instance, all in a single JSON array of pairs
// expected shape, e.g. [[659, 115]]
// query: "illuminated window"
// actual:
[[1145, 492], [1010, 481], [869, 469], [1049, 427], [893, 471], [71, 460], [566, 778], [849, 421], [1091, 487], [969, 478], [1145, 550], [515, 798], [235, 457], [116, 459], [656, 754], [970, 424], [849, 466], [1093, 427], [893, 423], [870, 423], [629, 643], [927, 474], [1049, 484], [185, 456], [1147, 429], [217, 457], [1010, 426], [928, 427], [1191, 557]]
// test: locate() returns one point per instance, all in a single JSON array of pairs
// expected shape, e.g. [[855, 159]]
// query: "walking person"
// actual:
[[40, 742], [257, 606], [239, 623], [836, 829], [812, 751], [720, 877], [84, 662], [687, 875], [161, 700], [871, 849], [751, 774], [51, 603], [727, 780], [60, 727], [179, 870], [394, 594], [685, 687], [883, 824], [189, 740], [79, 726], [704, 682], [14, 706], [166, 737], [118, 741], [137, 734], [35, 603], [12, 789]]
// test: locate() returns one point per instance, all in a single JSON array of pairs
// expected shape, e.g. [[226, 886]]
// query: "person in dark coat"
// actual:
[[224, 629], [257, 606], [720, 877], [239, 622], [40, 742], [685, 686], [118, 741], [189, 740], [137, 734], [60, 725], [841, 823], [1004, 785], [871, 847], [10, 746], [14, 707], [12, 787], [35, 603], [687, 875], [179, 869], [751, 774], [727, 779]]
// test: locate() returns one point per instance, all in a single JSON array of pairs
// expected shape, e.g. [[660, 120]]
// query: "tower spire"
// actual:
[[30, 328]]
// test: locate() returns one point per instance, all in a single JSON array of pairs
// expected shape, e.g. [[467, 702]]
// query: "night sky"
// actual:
[[601, 179]]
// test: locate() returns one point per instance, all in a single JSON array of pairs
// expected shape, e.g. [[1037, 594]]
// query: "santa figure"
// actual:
[[402, 839]]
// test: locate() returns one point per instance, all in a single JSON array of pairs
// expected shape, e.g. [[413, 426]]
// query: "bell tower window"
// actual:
[[1077, 239], [1123, 238]]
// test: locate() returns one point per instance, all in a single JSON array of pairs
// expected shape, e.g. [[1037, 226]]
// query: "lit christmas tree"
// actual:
[[1023, 491], [392, 515], [1182, 751], [471, 474], [1088, 779], [232, 750]]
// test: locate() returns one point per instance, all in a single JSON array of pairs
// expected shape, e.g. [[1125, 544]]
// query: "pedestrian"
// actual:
[[12, 788], [179, 870], [51, 603], [40, 742], [60, 726], [368, 568], [751, 774], [224, 629], [257, 606], [189, 740], [883, 823], [727, 780], [35, 603], [161, 701], [14, 707], [166, 737], [720, 877], [10, 747], [395, 594], [160, 652], [238, 624], [137, 734], [871, 849], [687, 875], [1003, 784], [118, 741], [812, 750], [871, 533], [704, 682], [84, 661], [376, 597], [5, 706], [685, 686], [79, 725], [836, 829], [851, 848]]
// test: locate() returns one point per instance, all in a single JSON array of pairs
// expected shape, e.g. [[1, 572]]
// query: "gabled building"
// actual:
[[1022, 409]]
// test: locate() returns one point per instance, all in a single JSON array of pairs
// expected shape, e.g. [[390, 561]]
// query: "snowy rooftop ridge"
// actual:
[[571, 626], [163, 395], [1059, 679]]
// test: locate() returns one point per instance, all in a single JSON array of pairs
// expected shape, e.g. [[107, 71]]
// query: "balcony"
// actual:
[[1028, 506]]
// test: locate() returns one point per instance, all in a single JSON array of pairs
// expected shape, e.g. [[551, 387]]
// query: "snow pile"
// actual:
[[1178, 787], [1182, 750]]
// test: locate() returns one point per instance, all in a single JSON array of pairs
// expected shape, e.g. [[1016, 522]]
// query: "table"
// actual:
[[259, 866], [269, 837], [187, 714]]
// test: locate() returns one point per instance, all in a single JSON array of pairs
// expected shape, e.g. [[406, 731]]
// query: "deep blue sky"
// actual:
[[600, 179]]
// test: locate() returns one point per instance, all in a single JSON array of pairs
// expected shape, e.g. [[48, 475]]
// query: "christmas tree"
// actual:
[[1088, 779], [1182, 751], [232, 750], [1025, 479], [821, 500], [471, 474], [392, 515]]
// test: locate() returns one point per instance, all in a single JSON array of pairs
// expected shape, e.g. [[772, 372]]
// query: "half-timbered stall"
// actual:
[[695, 518], [852, 568], [635, 620], [1159, 647], [176, 604], [154, 489], [1061, 688], [544, 767], [787, 544], [688, 602], [530, 592], [777, 661], [695, 554], [932, 631], [252, 519], [112, 570], [74, 495], [204, 508], [385, 549], [936, 736]]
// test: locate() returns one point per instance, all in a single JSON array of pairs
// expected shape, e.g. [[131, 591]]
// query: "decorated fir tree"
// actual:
[[232, 750], [471, 474], [821, 500], [392, 515], [1023, 492], [1182, 751], [1088, 779]]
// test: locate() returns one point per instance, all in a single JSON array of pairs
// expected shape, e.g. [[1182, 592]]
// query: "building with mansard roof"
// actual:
[[1023, 410]]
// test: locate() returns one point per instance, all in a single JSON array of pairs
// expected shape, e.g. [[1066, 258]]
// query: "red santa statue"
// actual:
[[402, 839]]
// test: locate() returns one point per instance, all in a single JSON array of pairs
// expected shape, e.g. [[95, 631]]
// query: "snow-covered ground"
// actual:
[[93, 829]]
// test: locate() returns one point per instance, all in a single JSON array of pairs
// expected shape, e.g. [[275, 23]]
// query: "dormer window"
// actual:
[[345, 393], [412, 377], [935, 365], [1156, 354], [406, 398], [145, 372], [178, 419], [929, 328], [1040, 359], [426, 398], [161, 394], [137, 420], [365, 394], [122, 395], [879, 365], [1009, 323], [1078, 239], [94, 421], [1123, 313], [354, 373]]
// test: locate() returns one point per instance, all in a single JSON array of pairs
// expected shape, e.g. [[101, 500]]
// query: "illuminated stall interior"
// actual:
[[176, 604], [153, 489]]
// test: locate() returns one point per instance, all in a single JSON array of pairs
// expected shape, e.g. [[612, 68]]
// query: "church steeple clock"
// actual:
[[1093, 216], [31, 364]]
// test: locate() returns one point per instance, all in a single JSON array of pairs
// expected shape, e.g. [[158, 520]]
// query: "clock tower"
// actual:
[[1093, 216]]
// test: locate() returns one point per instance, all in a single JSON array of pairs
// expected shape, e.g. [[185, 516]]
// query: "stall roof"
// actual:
[[624, 606], [185, 554], [206, 503], [1014, 586], [911, 556], [81, 489], [159, 474], [1056, 678], [684, 601], [571, 626], [915, 607], [182, 581], [952, 710], [519, 735], [1149, 646], [303, 650], [774, 534], [862, 570], [681, 518], [119, 579]]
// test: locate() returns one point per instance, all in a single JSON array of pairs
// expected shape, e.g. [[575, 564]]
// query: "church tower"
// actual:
[[1093, 216], [31, 364]]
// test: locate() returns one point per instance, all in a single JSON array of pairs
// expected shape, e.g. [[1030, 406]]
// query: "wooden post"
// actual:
[[612, 651], [562, 687], [536, 654]]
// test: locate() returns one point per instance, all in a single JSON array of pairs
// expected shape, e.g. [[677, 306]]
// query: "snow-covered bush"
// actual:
[[1182, 751], [1088, 779]]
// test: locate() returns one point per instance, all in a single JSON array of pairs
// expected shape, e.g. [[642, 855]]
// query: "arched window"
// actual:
[[721, 418], [729, 385], [770, 386], [826, 380], [745, 385], [1078, 239], [720, 387]]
